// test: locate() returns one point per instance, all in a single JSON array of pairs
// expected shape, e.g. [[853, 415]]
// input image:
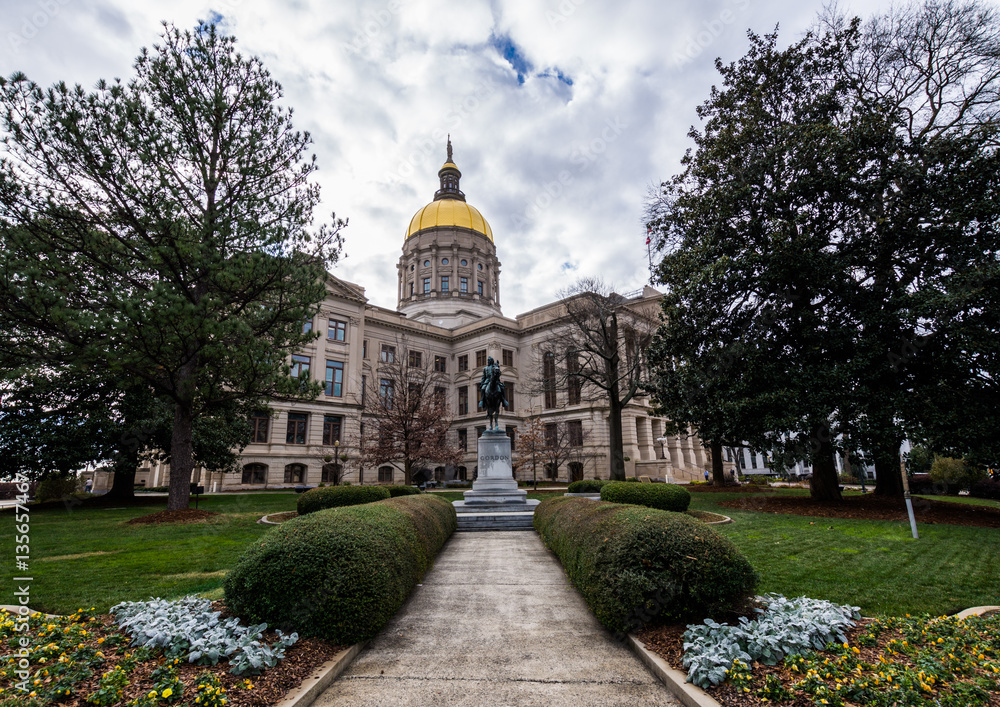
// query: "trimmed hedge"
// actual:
[[665, 497], [335, 496], [586, 486], [985, 489], [340, 573], [638, 566], [397, 491]]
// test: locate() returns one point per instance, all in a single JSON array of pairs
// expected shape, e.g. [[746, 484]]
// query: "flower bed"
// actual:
[[914, 661], [84, 658]]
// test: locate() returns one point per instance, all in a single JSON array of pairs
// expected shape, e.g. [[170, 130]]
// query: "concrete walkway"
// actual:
[[495, 623]]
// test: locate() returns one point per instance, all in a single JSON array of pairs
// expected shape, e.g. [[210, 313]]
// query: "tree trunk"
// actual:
[[407, 472], [824, 485], [181, 458], [718, 472], [888, 481], [122, 486], [617, 472]]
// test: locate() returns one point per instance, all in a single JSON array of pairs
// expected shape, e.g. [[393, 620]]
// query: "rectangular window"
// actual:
[[364, 390], [440, 364], [444, 283], [574, 383], [463, 439], [463, 285], [307, 325], [743, 460], [388, 354], [385, 392], [480, 286], [549, 379], [551, 435], [463, 400], [385, 474], [463, 363], [300, 368], [480, 431], [512, 433], [259, 425], [508, 357], [411, 289], [364, 349], [296, 428], [254, 474], [480, 358], [337, 330], [335, 378], [416, 359], [574, 430], [440, 392], [509, 392], [332, 425], [427, 285]]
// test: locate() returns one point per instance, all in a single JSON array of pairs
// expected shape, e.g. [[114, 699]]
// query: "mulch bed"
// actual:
[[728, 488], [872, 507], [666, 642], [186, 515], [301, 660]]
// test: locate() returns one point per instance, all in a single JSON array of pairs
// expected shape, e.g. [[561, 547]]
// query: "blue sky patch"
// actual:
[[509, 51]]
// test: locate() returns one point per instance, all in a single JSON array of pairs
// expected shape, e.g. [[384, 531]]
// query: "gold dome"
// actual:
[[449, 212]]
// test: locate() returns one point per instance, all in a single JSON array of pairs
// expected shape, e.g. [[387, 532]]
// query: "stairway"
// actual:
[[502, 516]]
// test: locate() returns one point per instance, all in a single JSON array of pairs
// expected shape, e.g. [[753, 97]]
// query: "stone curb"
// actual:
[[313, 685], [976, 611], [724, 521], [263, 520], [674, 680]]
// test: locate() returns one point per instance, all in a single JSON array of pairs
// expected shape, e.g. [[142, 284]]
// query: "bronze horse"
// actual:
[[493, 394]]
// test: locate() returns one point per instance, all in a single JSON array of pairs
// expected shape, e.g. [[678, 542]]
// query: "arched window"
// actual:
[[255, 474], [295, 474], [385, 473], [332, 474], [575, 471], [439, 473], [462, 473]]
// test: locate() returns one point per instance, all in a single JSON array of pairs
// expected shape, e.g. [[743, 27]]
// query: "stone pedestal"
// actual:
[[495, 483]]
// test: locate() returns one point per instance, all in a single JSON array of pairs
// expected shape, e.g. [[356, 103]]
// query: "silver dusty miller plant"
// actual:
[[188, 628], [784, 627]]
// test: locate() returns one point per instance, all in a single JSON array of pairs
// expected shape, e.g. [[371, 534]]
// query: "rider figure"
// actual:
[[491, 371]]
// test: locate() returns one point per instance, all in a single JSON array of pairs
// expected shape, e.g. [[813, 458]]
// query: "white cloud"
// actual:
[[559, 170]]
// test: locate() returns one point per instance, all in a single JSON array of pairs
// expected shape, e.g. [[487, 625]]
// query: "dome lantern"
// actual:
[[449, 176]]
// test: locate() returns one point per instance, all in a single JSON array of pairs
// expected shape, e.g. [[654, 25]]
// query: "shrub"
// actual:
[[955, 472], [985, 489], [335, 496], [638, 566], [397, 491], [189, 628], [787, 627], [340, 573], [54, 488], [586, 486], [665, 497]]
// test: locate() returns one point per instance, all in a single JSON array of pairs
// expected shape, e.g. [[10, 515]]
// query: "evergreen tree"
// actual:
[[159, 229]]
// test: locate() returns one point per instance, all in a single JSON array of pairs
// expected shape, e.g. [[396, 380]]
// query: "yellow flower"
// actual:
[[168, 692]]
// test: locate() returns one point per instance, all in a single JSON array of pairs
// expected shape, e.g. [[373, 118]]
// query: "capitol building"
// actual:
[[448, 318]]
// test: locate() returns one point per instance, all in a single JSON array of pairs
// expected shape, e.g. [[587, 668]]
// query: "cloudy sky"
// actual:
[[563, 113]]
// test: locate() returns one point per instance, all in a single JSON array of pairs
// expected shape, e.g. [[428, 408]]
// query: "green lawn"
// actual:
[[876, 565], [137, 561]]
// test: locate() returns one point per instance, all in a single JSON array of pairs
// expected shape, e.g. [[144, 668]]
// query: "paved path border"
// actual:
[[673, 679], [313, 685]]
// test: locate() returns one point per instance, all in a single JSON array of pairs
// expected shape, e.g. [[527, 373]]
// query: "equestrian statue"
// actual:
[[493, 394]]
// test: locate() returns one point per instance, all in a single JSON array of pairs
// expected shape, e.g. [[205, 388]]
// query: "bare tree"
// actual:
[[531, 445], [562, 445], [596, 353], [406, 415]]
